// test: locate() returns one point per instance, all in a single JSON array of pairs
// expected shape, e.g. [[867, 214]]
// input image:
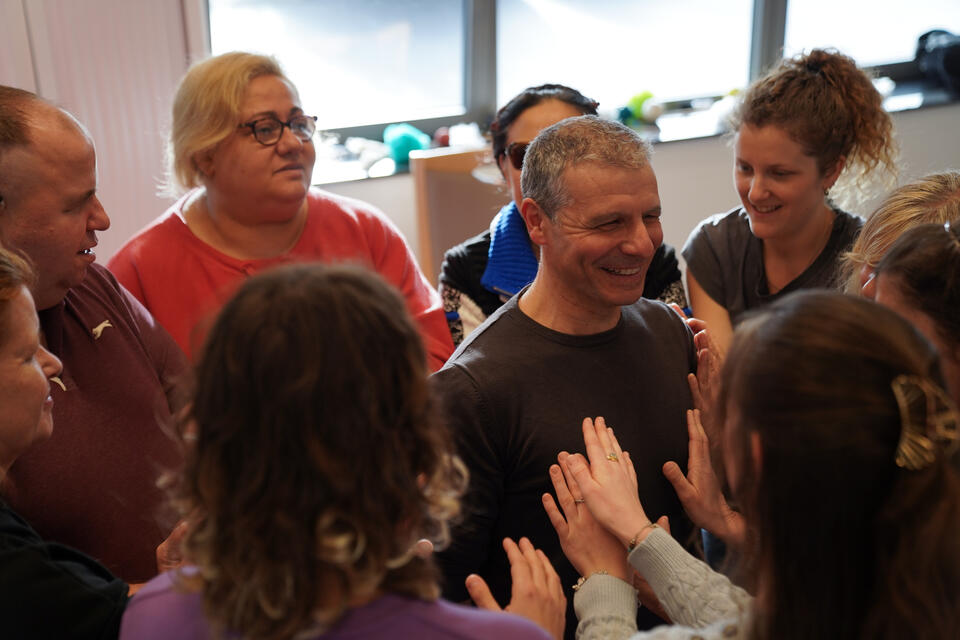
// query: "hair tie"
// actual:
[[928, 422]]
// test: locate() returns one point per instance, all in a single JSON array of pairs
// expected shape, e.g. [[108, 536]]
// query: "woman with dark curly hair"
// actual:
[[810, 134], [314, 464]]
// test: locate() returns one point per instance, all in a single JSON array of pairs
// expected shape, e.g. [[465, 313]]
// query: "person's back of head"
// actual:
[[923, 270], [856, 494], [317, 461], [934, 198]]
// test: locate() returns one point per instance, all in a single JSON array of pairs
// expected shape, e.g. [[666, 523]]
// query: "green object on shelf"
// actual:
[[403, 138]]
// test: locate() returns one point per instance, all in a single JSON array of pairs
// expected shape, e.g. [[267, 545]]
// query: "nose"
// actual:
[[639, 242], [49, 363], [98, 220], [758, 189], [288, 142]]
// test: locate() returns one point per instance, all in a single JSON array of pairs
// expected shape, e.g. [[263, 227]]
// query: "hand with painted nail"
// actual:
[[589, 547], [536, 593]]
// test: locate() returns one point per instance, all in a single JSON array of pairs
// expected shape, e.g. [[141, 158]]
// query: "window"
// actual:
[[872, 32], [355, 62], [615, 49]]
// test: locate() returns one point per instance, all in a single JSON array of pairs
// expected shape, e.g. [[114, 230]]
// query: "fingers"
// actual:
[[696, 325], [480, 593], [683, 489], [664, 523], [571, 484], [534, 564], [678, 309], [595, 450], [699, 447], [600, 426], [556, 518], [614, 443], [694, 385], [631, 470], [423, 548], [565, 488]]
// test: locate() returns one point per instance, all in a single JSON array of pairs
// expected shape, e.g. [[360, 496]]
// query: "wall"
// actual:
[[116, 63]]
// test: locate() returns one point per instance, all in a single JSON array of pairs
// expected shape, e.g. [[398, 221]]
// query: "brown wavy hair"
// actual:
[[15, 272], [847, 544], [318, 460], [831, 108]]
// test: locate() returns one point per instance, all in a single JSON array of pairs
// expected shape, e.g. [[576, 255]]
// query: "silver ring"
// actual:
[[580, 501]]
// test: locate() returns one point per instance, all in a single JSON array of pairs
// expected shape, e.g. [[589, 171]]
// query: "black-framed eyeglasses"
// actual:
[[268, 130], [516, 151]]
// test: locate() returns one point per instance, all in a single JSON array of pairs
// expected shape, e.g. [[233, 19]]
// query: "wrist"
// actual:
[[630, 528], [640, 536]]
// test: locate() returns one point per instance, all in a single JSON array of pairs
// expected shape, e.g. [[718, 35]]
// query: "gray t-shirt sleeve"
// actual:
[[714, 252]]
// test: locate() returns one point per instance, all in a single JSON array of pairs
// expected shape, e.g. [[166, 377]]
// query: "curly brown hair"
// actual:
[[317, 460], [831, 108]]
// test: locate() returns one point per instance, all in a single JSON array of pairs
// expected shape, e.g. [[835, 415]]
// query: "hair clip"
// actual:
[[928, 422]]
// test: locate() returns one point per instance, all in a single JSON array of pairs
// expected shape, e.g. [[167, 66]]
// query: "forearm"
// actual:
[[689, 590]]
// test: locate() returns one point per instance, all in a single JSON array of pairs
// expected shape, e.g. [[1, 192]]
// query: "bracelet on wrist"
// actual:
[[583, 579], [635, 540]]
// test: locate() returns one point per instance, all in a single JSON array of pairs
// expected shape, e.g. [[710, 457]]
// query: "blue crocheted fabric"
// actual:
[[511, 264]]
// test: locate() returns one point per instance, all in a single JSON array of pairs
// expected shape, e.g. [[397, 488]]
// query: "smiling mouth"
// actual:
[[632, 271], [767, 209], [86, 252]]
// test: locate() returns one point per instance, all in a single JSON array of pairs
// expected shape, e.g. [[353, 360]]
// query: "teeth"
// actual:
[[87, 252], [623, 272], [766, 209]]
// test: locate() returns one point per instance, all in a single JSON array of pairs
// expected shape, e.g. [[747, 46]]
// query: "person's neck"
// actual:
[[219, 224], [550, 307], [786, 258]]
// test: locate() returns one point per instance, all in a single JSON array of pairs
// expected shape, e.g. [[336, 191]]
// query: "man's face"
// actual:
[[50, 209], [596, 250]]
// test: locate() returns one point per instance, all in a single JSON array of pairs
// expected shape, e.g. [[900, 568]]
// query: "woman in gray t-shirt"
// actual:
[[814, 118]]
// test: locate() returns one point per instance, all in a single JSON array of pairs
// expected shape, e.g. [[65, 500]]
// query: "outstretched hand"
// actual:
[[169, 555], [699, 491], [536, 593], [608, 482], [588, 546]]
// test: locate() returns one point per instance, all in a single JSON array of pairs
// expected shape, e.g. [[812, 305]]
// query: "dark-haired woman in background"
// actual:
[[815, 118], [485, 271], [311, 475]]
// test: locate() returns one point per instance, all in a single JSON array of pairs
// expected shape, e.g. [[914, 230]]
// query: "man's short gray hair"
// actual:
[[572, 142]]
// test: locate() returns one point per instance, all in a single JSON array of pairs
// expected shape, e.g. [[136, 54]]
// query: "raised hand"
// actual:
[[699, 491], [608, 482], [536, 593], [588, 546]]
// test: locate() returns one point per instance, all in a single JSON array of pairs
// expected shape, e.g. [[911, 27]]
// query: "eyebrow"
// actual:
[[273, 114], [77, 201]]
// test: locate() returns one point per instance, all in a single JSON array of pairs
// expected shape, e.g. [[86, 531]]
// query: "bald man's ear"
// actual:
[[535, 219]]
